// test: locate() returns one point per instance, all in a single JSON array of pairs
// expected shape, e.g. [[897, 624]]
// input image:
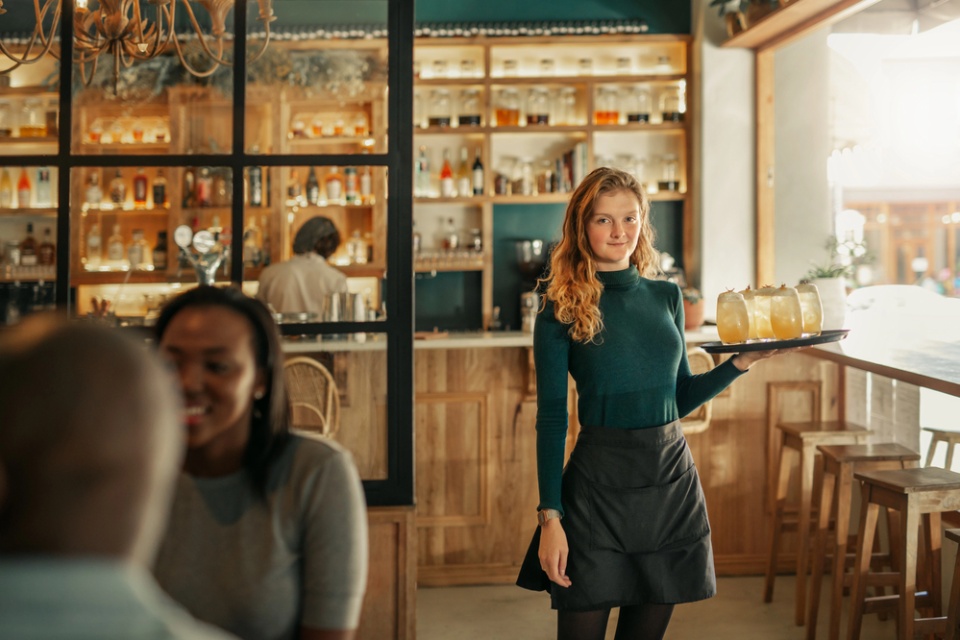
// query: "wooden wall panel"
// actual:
[[389, 607]]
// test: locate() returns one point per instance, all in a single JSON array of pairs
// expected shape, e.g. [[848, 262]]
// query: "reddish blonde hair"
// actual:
[[572, 284]]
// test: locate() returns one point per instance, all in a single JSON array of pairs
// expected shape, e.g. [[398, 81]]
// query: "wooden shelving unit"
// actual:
[[794, 19]]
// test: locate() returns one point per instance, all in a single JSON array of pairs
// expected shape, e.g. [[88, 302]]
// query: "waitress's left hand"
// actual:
[[743, 361]]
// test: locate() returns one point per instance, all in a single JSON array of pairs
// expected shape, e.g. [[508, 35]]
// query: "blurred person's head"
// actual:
[[89, 445], [317, 235], [225, 348]]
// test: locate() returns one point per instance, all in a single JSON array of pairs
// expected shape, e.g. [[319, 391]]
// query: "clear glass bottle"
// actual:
[[116, 250], [439, 108], [351, 194], [508, 108], [6, 119], [421, 185], [476, 240], [93, 194], [566, 107], [334, 186], [672, 104], [470, 108], [44, 192], [538, 106], [118, 189], [32, 119], [527, 183], [357, 249], [451, 237], [94, 248], [607, 109], [140, 188], [669, 173], [635, 102], [138, 252]]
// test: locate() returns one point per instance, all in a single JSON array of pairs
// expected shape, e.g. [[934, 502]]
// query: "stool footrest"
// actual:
[[876, 604], [929, 626]]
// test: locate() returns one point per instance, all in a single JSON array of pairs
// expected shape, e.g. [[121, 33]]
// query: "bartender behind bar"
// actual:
[[301, 284]]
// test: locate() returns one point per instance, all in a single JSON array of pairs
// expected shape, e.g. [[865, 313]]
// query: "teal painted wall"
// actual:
[[663, 16]]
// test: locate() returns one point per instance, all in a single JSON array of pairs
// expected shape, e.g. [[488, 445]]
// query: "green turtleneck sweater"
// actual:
[[634, 375]]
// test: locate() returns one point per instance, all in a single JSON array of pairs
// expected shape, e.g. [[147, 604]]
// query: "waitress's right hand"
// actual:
[[554, 551]]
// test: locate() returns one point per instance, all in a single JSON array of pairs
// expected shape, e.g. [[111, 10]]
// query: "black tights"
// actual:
[[640, 622]]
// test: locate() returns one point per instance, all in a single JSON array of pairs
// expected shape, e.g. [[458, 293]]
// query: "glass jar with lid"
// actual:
[[468, 68], [439, 68], [669, 173], [547, 66], [510, 68], [438, 108], [470, 108], [565, 112], [6, 119], [635, 102], [673, 104], [508, 108], [538, 106], [32, 119], [607, 109]]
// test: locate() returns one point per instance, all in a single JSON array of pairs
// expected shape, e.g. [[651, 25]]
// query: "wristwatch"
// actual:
[[547, 514]]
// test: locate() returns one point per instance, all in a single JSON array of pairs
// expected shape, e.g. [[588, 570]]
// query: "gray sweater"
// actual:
[[264, 570]]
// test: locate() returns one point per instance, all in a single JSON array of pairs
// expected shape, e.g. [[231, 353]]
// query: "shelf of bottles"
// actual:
[[27, 223], [29, 117]]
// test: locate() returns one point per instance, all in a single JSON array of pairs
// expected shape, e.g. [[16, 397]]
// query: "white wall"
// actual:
[[724, 136]]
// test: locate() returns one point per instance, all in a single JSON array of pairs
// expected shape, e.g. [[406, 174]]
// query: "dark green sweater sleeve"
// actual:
[[551, 353], [694, 390]]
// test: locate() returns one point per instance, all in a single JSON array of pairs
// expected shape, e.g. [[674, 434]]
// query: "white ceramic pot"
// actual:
[[833, 298]]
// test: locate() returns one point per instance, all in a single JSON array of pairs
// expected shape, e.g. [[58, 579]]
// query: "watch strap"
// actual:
[[547, 514]]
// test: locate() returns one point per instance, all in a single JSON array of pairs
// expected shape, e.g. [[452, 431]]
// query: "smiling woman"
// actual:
[[267, 537]]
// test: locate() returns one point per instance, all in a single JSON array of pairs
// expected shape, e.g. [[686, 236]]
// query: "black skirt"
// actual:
[[636, 523]]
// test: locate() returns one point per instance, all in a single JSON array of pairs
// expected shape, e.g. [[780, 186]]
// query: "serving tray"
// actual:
[[833, 335]]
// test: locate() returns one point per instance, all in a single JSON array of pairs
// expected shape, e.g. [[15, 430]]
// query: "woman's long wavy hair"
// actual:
[[269, 424], [572, 284]]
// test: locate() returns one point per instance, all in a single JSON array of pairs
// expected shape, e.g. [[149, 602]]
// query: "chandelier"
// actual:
[[123, 30]]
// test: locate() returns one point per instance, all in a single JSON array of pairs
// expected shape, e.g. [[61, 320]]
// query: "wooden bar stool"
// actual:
[[953, 608], [949, 438], [838, 463], [915, 493], [799, 441]]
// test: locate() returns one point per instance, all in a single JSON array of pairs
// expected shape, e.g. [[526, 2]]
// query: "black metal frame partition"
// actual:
[[397, 488]]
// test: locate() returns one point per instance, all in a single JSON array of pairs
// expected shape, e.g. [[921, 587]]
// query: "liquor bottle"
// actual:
[[357, 249], [422, 183], [204, 190], [450, 239], [313, 187], [115, 248], [28, 249], [294, 190], [137, 251], [256, 186], [334, 181], [94, 247], [47, 251], [350, 194], [93, 194], [447, 186], [477, 175], [252, 244], [118, 190], [216, 228], [140, 189], [160, 252], [189, 188], [6, 190], [464, 176], [24, 189], [366, 186], [220, 191], [44, 196], [160, 190]]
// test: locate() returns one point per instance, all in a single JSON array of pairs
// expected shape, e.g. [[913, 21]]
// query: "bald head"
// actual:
[[90, 442]]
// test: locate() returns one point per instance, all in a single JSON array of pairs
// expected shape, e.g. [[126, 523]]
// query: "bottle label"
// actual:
[[115, 251], [28, 259], [464, 187], [447, 188], [478, 182]]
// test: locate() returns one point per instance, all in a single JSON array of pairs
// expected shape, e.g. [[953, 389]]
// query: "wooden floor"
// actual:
[[736, 613]]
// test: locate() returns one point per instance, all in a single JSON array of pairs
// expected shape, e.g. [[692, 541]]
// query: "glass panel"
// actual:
[[158, 99], [123, 230], [28, 236], [329, 81], [339, 213], [359, 369]]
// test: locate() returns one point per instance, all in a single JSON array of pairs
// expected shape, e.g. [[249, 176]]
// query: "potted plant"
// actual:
[[831, 278], [732, 11], [692, 309]]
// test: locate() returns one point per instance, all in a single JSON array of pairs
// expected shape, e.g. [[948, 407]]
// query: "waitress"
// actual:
[[301, 284]]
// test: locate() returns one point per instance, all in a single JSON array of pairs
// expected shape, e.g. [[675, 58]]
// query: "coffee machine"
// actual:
[[531, 262]]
